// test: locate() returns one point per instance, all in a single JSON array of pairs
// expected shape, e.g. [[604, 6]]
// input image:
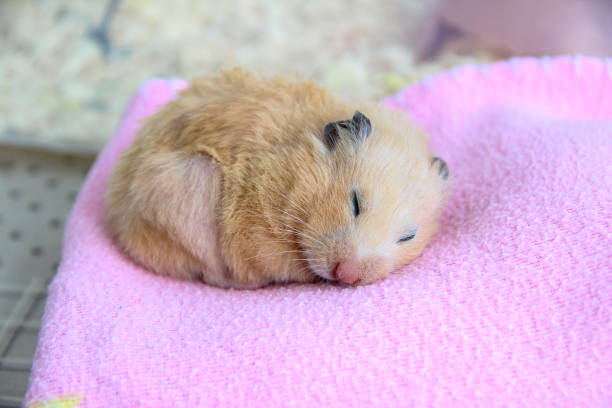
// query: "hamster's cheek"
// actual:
[[373, 276], [370, 279]]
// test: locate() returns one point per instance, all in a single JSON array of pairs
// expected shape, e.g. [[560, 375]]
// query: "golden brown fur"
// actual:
[[233, 184]]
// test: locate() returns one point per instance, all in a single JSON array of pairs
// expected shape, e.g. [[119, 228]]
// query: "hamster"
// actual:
[[244, 180]]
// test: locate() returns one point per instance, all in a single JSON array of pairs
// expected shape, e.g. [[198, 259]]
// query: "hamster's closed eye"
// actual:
[[442, 167], [407, 237], [355, 202]]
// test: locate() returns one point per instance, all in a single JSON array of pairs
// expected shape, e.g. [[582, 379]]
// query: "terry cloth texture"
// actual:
[[509, 306]]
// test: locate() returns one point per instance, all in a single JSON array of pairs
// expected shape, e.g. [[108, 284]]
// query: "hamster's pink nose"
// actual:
[[346, 272]]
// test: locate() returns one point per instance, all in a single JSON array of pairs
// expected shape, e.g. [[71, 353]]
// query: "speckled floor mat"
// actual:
[[37, 190]]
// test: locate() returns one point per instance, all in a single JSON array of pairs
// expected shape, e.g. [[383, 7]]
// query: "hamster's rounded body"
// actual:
[[243, 181]]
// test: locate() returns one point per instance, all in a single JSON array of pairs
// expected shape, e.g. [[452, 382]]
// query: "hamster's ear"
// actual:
[[441, 167], [331, 135], [361, 126]]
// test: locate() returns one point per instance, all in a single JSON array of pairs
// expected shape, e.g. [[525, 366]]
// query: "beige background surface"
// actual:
[[69, 67]]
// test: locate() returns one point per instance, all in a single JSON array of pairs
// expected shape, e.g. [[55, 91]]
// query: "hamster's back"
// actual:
[[237, 113]]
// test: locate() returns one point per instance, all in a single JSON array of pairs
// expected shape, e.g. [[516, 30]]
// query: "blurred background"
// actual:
[[68, 68]]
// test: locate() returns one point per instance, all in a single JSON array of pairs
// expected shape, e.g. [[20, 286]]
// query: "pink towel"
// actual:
[[509, 306]]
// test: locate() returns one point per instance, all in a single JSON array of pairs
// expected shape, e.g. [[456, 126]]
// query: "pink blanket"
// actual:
[[510, 306]]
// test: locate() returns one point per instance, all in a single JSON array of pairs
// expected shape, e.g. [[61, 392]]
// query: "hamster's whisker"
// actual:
[[302, 234], [283, 241], [314, 261], [292, 230], [303, 223], [289, 232], [295, 231], [264, 255], [298, 219], [297, 206], [272, 232]]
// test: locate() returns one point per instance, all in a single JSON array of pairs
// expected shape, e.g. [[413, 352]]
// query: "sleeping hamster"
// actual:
[[243, 181]]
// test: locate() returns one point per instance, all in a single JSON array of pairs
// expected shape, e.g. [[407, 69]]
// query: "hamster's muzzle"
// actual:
[[359, 271], [347, 272]]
